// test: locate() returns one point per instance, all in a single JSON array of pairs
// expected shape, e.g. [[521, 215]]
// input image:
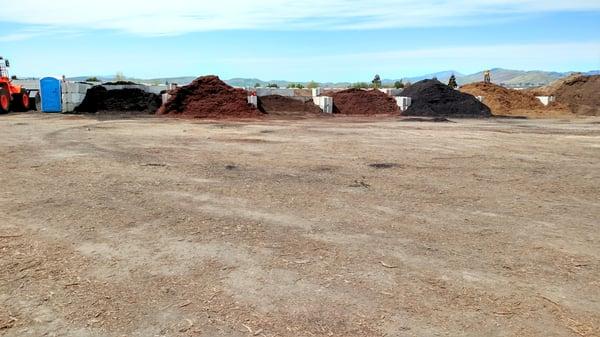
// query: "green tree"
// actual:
[[257, 85], [312, 85], [399, 84], [452, 82], [299, 86], [92, 79], [376, 82], [272, 85]]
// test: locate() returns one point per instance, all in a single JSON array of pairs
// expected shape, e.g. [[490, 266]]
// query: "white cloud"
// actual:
[[159, 17]]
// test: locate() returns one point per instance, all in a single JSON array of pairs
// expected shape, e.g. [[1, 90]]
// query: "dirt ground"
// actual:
[[326, 227]]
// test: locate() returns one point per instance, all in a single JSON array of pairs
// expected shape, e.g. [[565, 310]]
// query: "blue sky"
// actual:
[[341, 40]]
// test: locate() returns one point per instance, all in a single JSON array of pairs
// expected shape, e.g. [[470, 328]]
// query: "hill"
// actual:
[[505, 77]]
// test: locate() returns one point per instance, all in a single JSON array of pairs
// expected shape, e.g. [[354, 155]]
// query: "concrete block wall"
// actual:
[[253, 100], [73, 94], [392, 92], [165, 98], [157, 89], [403, 102], [28, 84], [273, 91], [303, 92], [325, 103], [546, 100], [260, 92]]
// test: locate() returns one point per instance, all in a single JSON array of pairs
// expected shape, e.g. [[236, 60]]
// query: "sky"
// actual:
[[299, 40]]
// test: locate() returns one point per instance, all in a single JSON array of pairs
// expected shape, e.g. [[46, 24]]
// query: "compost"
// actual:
[[581, 94], [363, 102], [120, 83], [281, 105], [209, 97], [550, 89], [434, 99], [504, 101], [98, 99]]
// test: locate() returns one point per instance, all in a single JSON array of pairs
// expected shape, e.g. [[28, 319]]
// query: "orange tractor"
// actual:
[[12, 97]]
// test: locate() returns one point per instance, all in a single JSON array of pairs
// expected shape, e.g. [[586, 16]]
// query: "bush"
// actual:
[[312, 85]]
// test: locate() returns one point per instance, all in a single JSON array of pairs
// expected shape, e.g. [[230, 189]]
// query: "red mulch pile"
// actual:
[[209, 97], [363, 102], [281, 105]]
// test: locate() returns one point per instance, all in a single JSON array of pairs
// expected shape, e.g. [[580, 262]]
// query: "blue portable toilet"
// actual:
[[51, 94]]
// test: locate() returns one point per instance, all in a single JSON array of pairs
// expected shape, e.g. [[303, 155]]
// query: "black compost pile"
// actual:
[[120, 83], [100, 99], [432, 98]]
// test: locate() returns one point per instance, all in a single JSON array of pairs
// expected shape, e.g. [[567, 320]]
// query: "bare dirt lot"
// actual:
[[325, 227]]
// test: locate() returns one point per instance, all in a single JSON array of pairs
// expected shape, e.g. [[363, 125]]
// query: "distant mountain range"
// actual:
[[506, 77]]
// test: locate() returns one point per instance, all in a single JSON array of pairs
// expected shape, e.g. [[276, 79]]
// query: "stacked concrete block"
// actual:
[[303, 93], [73, 94], [325, 103], [391, 92], [403, 102], [546, 100], [165, 98], [253, 100], [28, 84], [157, 89], [260, 92]]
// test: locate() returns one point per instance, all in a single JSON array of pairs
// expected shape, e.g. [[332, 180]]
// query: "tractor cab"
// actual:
[[4, 65], [12, 97]]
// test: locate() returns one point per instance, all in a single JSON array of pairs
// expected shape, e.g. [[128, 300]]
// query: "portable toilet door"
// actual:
[[51, 94]]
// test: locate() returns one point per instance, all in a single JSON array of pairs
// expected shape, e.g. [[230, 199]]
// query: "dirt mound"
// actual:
[[281, 105], [550, 89], [362, 102], [510, 102], [581, 94], [434, 99], [209, 97], [100, 99], [501, 100]]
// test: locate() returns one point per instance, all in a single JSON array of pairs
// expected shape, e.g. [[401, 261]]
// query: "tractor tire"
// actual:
[[21, 101], [4, 100]]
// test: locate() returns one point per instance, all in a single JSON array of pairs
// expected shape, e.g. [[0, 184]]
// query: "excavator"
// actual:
[[12, 97]]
